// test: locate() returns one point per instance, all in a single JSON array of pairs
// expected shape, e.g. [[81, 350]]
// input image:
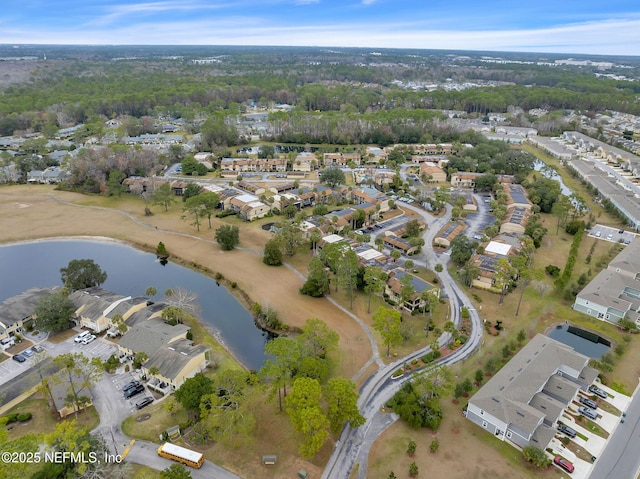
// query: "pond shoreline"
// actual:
[[243, 298]]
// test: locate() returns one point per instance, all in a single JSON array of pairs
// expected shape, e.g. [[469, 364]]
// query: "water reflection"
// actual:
[[131, 272]]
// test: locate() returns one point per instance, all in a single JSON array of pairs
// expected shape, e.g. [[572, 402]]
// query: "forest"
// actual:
[[333, 92]]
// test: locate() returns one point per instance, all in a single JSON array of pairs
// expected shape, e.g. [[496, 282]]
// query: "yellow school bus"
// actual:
[[181, 454]]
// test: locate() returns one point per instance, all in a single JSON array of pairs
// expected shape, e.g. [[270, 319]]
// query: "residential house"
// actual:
[[96, 307], [521, 403], [59, 393], [19, 309], [375, 155], [463, 179], [447, 234], [248, 207], [369, 195], [516, 220], [304, 162], [341, 159], [168, 350], [614, 293], [487, 261], [393, 242], [432, 173], [283, 200], [395, 282]]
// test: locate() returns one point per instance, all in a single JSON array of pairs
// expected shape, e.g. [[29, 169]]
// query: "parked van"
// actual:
[[590, 413], [589, 403], [567, 430]]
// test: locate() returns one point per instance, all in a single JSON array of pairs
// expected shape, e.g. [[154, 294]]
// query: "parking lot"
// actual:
[[614, 235], [591, 443]]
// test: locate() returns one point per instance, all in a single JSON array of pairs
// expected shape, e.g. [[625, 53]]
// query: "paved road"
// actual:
[[354, 444], [621, 456]]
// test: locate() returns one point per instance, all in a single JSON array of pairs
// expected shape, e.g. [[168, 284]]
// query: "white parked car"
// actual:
[[82, 336], [88, 339]]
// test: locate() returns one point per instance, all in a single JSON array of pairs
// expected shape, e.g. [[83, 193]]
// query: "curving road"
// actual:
[[354, 444]]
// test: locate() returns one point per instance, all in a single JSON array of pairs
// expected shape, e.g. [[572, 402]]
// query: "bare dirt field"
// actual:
[[33, 212]]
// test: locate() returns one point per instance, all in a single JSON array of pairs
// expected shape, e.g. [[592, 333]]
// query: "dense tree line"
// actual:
[[80, 91]]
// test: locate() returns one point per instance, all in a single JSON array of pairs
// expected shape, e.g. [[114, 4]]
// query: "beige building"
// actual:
[[341, 159], [18, 310], [168, 348], [432, 172], [96, 307]]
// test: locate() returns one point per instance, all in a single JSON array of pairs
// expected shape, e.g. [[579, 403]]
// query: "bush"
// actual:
[[234, 285], [552, 270], [24, 417], [12, 418]]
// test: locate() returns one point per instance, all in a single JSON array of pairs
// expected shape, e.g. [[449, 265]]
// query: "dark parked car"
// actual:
[[19, 357], [130, 385], [563, 463], [598, 392], [589, 403], [144, 402], [37, 348], [129, 393], [567, 430]]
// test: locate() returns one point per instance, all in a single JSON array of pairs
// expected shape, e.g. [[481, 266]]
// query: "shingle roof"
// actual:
[[172, 358], [22, 306], [149, 336], [508, 394]]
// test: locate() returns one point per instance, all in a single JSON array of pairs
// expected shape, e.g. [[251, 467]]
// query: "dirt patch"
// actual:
[[143, 417]]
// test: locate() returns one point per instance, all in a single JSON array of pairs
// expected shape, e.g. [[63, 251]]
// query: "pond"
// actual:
[[130, 272], [590, 345], [552, 174]]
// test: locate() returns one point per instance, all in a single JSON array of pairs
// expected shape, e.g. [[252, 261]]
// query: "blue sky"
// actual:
[[564, 26]]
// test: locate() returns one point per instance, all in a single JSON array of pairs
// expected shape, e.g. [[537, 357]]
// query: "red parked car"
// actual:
[[563, 463]]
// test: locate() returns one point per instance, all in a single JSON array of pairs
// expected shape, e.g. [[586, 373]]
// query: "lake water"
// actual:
[[580, 344], [550, 173], [130, 272]]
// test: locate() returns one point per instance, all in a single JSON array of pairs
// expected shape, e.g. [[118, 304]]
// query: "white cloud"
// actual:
[[607, 37]]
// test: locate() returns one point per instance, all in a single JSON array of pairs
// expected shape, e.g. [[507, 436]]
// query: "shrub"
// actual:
[[218, 276], [435, 444], [234, 285], [24, 417]]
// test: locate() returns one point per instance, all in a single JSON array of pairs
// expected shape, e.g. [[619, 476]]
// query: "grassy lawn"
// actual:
[[43, 420], [143, 472], [159, 422]]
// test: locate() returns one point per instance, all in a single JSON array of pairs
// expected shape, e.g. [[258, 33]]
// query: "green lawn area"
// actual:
[[43, 420], [159, 422]]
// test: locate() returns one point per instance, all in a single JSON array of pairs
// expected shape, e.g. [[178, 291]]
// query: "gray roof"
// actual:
[[144, 314], [59, 389], [22, 306], [150, 335], [172, 358], [508, 394], [552, 408], [607, 287], [95, 300], [628, 260], [561, 388], [542, 436]]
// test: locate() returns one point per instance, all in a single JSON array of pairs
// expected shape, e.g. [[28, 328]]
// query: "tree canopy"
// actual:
[[81, 274], [228, 237], [53, 312]]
